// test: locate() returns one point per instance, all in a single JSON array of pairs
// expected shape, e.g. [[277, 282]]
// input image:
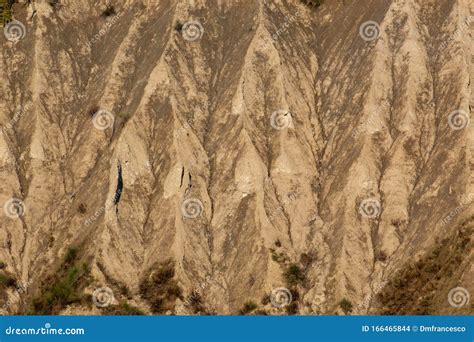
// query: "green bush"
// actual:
[[123, 309], [346, 305], [248, 308], [71, 255], [6, 14], [63, 288], [294, 275], [178, 26]]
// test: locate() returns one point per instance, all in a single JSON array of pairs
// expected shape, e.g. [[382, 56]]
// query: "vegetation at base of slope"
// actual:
[[6, 14], [160, 289], [123, 309], [421, 288], [63, 288]]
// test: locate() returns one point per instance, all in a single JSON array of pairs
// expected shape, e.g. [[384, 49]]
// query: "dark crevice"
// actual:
[[190, 184], [118, 191]]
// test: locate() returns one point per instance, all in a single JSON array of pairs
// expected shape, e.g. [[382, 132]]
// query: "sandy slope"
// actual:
[[298, 136]]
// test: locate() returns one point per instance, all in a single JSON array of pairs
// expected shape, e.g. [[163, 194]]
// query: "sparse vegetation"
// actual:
[[108, 11], [194, 300], [346, 305], [261, 312], [248, 308], [266, 299], [278, 257], [293, 274], [63, 288], [314, 3], [115, 284], [6, 13], [160, 289], [123, 309], [410, 291], [292, 309], [381, 256], [178, 26], [71, 255], [93, 110], [7, 280], [82, 208]]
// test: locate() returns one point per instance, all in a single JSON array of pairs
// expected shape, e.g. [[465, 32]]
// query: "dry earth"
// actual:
[[268, 149]]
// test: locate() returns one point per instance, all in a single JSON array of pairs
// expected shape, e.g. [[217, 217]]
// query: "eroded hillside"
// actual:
[[235, 156]]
